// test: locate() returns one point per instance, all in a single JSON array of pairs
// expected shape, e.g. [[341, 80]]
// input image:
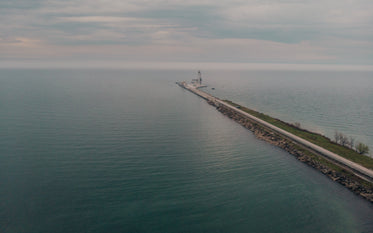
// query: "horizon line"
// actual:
[[118, 64]]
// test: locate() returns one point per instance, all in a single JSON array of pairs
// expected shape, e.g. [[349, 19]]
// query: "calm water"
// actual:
[[129, 151]]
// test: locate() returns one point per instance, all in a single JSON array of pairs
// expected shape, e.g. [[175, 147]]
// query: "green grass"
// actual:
[[335, 167], [315, 138]]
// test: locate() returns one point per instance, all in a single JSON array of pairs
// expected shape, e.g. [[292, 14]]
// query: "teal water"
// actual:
[[130, 151]]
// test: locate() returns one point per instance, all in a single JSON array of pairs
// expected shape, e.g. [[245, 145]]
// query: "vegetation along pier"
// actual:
[[338, 162]]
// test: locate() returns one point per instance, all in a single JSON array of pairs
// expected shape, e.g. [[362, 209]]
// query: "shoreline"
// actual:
[[359, 182]]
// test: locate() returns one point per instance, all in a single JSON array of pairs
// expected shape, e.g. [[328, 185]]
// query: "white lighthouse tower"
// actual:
[[199, 77]]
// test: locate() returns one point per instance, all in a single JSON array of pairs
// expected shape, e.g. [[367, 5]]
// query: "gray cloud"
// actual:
[[314, 31]]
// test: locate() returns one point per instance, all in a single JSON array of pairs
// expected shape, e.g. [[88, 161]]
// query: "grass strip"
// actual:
[[315, 138]]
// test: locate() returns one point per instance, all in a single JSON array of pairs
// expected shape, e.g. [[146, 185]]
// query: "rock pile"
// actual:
[[305, 155]]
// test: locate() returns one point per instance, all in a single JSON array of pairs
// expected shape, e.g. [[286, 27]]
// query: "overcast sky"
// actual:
[[234, 31]]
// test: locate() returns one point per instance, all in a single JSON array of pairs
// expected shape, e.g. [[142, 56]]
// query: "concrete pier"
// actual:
[[357, 169]]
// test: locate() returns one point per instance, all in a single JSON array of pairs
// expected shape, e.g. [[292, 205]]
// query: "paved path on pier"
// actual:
[[352, 165]]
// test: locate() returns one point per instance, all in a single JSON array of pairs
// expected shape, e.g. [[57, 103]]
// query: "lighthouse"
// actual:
[[199, 77]]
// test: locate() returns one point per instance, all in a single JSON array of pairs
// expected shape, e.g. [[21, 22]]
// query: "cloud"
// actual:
[[336, 31], [97, 19]]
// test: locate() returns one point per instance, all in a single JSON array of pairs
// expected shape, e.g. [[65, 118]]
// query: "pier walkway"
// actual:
[[356, 168]]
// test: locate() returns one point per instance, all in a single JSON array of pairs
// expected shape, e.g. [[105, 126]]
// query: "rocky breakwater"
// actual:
[[334, 171]]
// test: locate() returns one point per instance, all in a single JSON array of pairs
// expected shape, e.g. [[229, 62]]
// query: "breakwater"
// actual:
[[355, 177]]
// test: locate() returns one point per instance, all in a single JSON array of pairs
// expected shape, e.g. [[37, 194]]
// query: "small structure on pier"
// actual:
[[200, 77], [198, 81]]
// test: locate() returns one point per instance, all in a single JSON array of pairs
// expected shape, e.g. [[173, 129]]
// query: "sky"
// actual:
[[337, 32]]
